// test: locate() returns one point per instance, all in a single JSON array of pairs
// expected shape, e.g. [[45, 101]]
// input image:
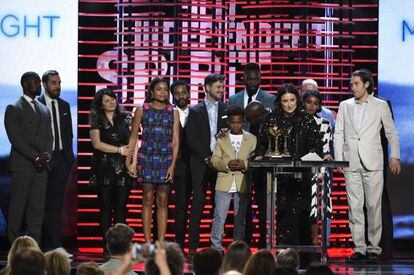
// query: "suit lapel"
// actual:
[[244, 144], [204, 114], [350, 111], [367, 119]]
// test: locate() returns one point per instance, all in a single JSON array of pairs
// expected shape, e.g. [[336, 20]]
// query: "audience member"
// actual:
[[169, 259], [260, 263], [57, 263], [19, 244], [119, 243], [207, 262], [319, 268], [288, 258], [28, 261], [236, 257], [89, 268]]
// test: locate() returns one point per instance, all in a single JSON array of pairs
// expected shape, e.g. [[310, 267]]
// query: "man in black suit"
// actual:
[[28, 127], [204, 121], [62, 156], [182, 177]]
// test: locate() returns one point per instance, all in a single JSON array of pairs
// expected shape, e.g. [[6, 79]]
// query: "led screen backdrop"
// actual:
[[396, 83]]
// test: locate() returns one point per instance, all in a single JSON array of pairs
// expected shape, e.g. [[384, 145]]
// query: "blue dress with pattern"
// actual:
[[155, 152]]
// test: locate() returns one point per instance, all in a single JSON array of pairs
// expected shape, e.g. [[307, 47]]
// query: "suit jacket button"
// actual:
[[359, 139]]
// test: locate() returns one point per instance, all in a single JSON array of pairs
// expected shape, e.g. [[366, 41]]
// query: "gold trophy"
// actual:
[[286, 134], [275, 133]]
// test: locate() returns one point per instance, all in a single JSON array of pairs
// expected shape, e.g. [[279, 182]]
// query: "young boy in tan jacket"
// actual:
[[230, 159]]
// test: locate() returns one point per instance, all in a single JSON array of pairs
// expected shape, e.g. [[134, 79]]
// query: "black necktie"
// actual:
[[55, 126], [249, 99]]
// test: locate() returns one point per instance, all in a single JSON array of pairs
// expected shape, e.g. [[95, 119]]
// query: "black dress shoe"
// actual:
[[373, 258], [357, 258]]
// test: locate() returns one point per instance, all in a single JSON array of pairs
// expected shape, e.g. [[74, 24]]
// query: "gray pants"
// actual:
[[365, 186], [28, 193], [222, 201]]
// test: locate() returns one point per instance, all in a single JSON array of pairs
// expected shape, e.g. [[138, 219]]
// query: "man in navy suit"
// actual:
[[204, 121], [27, 124], [253, 92], [62, 156]]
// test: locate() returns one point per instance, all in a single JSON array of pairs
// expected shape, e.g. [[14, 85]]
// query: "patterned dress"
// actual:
[[155, 152]]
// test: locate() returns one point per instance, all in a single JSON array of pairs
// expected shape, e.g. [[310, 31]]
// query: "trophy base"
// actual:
[[286, 155], [273, 155]]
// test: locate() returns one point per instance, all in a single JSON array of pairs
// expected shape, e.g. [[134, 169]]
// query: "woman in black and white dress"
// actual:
[[312, 101]]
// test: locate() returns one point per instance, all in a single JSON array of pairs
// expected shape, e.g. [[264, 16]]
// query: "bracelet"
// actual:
[[122, 150]]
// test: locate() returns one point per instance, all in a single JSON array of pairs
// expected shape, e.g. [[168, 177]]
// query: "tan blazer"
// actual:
[[224, 153], [364, 145]]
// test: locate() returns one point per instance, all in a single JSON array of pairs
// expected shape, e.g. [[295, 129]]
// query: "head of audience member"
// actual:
[[288, 258], [285, 271], [236, 257], [51, 83], [232, 272], [312, 102], [319, 268], [207, 262], [180, 91], [252, 78], [28, 261], [19, 244], [57, 263], [309, 85], [30, 82], [260, 263], [235, 119], [104, 101], [89, 268], [214, 87], [288, 99], [361, 84], [158, 91], [175, 260], [255, 113], [119, 239]]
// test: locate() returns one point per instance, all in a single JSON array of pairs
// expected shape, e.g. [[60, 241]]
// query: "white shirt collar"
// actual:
[[29, 99]]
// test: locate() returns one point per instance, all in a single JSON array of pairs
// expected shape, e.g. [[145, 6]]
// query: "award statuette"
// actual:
[[275, 133], [286, 134]]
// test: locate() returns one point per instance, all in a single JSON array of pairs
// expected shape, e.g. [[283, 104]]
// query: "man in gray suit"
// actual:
[[358, 140], [28, 127], [252, 93]]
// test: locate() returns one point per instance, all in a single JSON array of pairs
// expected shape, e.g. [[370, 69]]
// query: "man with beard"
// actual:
[[28, 127], [182, 178], [205, 120], [62, 157], [251, 93]]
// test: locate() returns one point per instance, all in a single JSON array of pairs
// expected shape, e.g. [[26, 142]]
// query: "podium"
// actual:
[[297, 169]]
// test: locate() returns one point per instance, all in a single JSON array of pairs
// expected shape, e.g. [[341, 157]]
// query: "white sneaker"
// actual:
[[64, 252]]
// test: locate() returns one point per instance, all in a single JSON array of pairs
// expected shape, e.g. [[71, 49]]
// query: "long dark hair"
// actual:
[[150, 94], [288, 88], [97, 115]]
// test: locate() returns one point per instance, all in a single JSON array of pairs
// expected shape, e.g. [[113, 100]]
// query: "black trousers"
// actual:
[[200, 181], [112, 198], [258, 185], [55, 194], [182, 186]]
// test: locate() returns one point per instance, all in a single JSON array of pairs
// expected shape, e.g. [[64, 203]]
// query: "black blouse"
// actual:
[[109, 168], [303, 137]]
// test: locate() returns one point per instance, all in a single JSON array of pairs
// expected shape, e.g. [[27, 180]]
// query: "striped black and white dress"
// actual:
[[326, 137]]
